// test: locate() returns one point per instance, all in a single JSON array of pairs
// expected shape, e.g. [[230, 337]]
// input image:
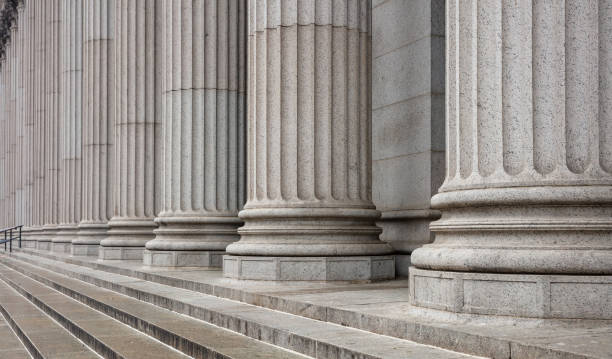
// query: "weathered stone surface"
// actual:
[[137, 129], [380, 307], [309, 144], [407, 119], [98, 122], [204, 125], [71, 106], [529, 183], [357, 268]]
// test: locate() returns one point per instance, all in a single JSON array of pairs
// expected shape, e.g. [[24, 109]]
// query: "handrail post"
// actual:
[[20, 236], [5, 241], [11, 241]]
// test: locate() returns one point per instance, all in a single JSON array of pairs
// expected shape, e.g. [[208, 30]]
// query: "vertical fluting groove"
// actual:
[[135, 162], [552, 87], [202, 99], [581, 108], [489, 85], [70, 113], [466, 43], [517, 86], [605, 85], [98, 114], [548, 85], [451, 92], [310, 65]]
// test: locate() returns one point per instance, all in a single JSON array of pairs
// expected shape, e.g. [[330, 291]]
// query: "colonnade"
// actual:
[[238, 133]]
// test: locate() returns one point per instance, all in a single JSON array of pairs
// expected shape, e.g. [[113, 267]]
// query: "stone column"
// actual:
[[526, 227], [70, 122], [19, 160], [29, 50], [51, 68], [407, 121], [309, 214], [3, 116], [203, 173], [39, 125], [137, 130], [98, 125]]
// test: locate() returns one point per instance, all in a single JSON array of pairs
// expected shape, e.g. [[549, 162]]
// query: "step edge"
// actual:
[[423, 334], [135, 322], [189, 309]]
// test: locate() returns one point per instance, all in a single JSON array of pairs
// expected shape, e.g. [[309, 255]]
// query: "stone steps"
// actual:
[[117, 326], [42, 336], [10, 345], [303, 335]]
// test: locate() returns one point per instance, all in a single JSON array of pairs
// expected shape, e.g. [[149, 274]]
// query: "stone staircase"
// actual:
[[66, 310]]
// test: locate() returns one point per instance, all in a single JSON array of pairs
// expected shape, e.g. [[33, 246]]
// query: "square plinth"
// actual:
[[183, 258], [362, 268]]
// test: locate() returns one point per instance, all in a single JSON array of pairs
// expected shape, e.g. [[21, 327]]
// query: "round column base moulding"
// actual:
[[544, 230], [126, 238], [45, 237], [63, 239], [88, 239], [321, 232], [192, 233], [357, 268], [519, 295], [161, 258]]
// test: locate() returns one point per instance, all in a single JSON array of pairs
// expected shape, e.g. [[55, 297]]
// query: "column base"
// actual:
[[28, 238], [60, 247], [519, 295], [45, 238], [84, 249], [120, 253], [158, 258], [62, 242], [28, 243], [358, 268]]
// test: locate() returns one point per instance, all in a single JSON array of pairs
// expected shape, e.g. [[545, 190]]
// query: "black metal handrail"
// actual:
[[6, 236]]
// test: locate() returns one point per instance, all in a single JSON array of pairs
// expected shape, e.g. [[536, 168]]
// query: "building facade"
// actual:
[[470, 141]]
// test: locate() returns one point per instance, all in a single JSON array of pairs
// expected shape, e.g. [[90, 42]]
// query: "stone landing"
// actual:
[[381, 307]]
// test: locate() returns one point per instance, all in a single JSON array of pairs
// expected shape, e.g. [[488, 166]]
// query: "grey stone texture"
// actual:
[[309, 143], [379, 307], [71, 125], [98, 122], [407, 119], [528, 188], [137, 141], [355, 268], [204, 125]]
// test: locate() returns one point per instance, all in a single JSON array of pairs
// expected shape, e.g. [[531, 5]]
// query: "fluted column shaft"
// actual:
[[3, 116], [529, 140], [39, 116], [203, 173], [98, 124], [309, 128], [137, 129], [28, 40], [70, 122], [52, 120]]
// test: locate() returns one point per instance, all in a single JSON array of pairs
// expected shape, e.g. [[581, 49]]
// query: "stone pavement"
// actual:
[[380, 307]]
